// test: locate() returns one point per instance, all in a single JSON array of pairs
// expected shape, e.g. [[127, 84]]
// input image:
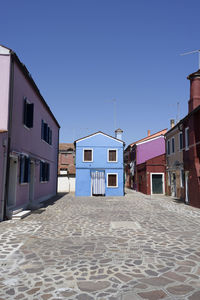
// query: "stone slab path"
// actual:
[[126, 248]]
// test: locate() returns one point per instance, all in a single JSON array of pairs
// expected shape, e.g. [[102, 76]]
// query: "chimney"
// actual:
[[118, 134], [148, 132], [194, 91], [172, 123]]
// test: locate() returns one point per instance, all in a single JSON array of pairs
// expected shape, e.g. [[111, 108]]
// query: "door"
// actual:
[[173, 186], [32, 182], [12, 185], [157, 183], [186, 188], [98, 182]]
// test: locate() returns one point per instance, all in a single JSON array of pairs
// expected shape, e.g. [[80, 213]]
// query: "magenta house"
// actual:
[[145, 168], [29, 135]]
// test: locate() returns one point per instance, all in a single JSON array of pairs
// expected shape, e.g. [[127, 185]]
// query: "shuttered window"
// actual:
[[44, 171], [87, 155], [28, 114], [112, 155], [46, 133], [180, 140], [24, 169], [112, 180]]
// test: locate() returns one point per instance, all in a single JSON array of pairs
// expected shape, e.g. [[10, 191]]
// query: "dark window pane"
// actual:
[[87, 155], [112, 180], [112, 155]]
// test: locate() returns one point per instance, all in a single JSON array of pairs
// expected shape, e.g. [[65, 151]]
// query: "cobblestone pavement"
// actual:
[[126, 248]]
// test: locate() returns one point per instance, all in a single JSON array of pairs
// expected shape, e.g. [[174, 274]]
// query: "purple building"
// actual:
[[145, 164], [29, 136]]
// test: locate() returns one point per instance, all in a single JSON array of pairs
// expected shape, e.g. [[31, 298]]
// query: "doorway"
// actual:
[[186, 187], [157, 183], [98, 183], [32, 182], [12, 185], [173, 186]]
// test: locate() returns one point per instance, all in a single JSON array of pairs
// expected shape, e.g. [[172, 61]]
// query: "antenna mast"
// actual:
[[115, 113], [191, 52]]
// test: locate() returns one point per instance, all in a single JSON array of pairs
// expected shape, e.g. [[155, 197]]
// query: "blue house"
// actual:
[[100, 165]]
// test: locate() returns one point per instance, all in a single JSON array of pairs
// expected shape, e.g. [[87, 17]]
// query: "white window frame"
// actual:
[[112, 187], [172, 139], [112, 161], [181, 179], [180, 133], [186, 138], [163, 178], [87, 161]]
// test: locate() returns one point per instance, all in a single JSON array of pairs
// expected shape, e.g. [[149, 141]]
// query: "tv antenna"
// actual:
[[191, 52], [115, 113]]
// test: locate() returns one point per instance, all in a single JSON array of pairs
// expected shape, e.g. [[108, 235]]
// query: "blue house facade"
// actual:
[[100, 165]]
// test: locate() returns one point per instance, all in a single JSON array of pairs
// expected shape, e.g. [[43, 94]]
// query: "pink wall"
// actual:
[[25, 140], [4, 90], [3, 152], [150, 149]]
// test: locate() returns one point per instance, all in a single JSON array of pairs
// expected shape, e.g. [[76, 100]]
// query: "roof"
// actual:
[[98, 132], [29, 78], [193, 75], [66, 146], [157, 134], [3, 131]]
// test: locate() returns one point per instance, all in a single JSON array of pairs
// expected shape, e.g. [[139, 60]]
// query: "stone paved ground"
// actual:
[[126, 248]]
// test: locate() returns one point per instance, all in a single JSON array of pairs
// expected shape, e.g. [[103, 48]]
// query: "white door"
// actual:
[[98, 182], [12, 185], [173, 185], [186, 187]]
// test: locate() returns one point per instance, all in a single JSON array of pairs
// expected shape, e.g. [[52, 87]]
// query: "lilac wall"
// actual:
[[25, 140], [3, 150], [4, 90], [150, 149]]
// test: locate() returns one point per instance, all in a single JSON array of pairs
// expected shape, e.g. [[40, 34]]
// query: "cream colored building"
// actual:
[[175, 178]]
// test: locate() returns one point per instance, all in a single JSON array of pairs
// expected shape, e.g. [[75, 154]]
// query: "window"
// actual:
[[173, 146], [169, 178], [24, 169], [180, 141], [46, 133], [112, 180], [112, 155], [182, 178], [168, 147], [44, 171], [87, 155], [187, 138], [28, 113]]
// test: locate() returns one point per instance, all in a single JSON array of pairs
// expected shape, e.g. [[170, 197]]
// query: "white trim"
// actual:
[[87, 161], [112, 161], [186, 139], [112, 187], [87, 137], [163, 181], [149, 140]]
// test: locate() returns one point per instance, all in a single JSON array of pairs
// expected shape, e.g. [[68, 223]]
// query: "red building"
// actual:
[[145, 164], [190, 127]]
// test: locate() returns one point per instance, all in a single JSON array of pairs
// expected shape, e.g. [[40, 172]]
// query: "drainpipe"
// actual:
[[4, 178], [9, 126], [57, 160]]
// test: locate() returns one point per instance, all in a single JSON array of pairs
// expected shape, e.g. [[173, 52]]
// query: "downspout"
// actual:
[[9, 126], [57, 160], [4, 177]]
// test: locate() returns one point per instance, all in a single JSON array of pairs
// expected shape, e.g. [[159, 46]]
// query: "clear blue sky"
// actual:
[[84, 53]]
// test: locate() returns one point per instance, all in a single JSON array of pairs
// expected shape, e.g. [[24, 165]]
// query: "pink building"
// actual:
[[29, 135]]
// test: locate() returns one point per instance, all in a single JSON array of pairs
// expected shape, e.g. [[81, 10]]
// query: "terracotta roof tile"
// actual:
[[66, 146], [161, 132]]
